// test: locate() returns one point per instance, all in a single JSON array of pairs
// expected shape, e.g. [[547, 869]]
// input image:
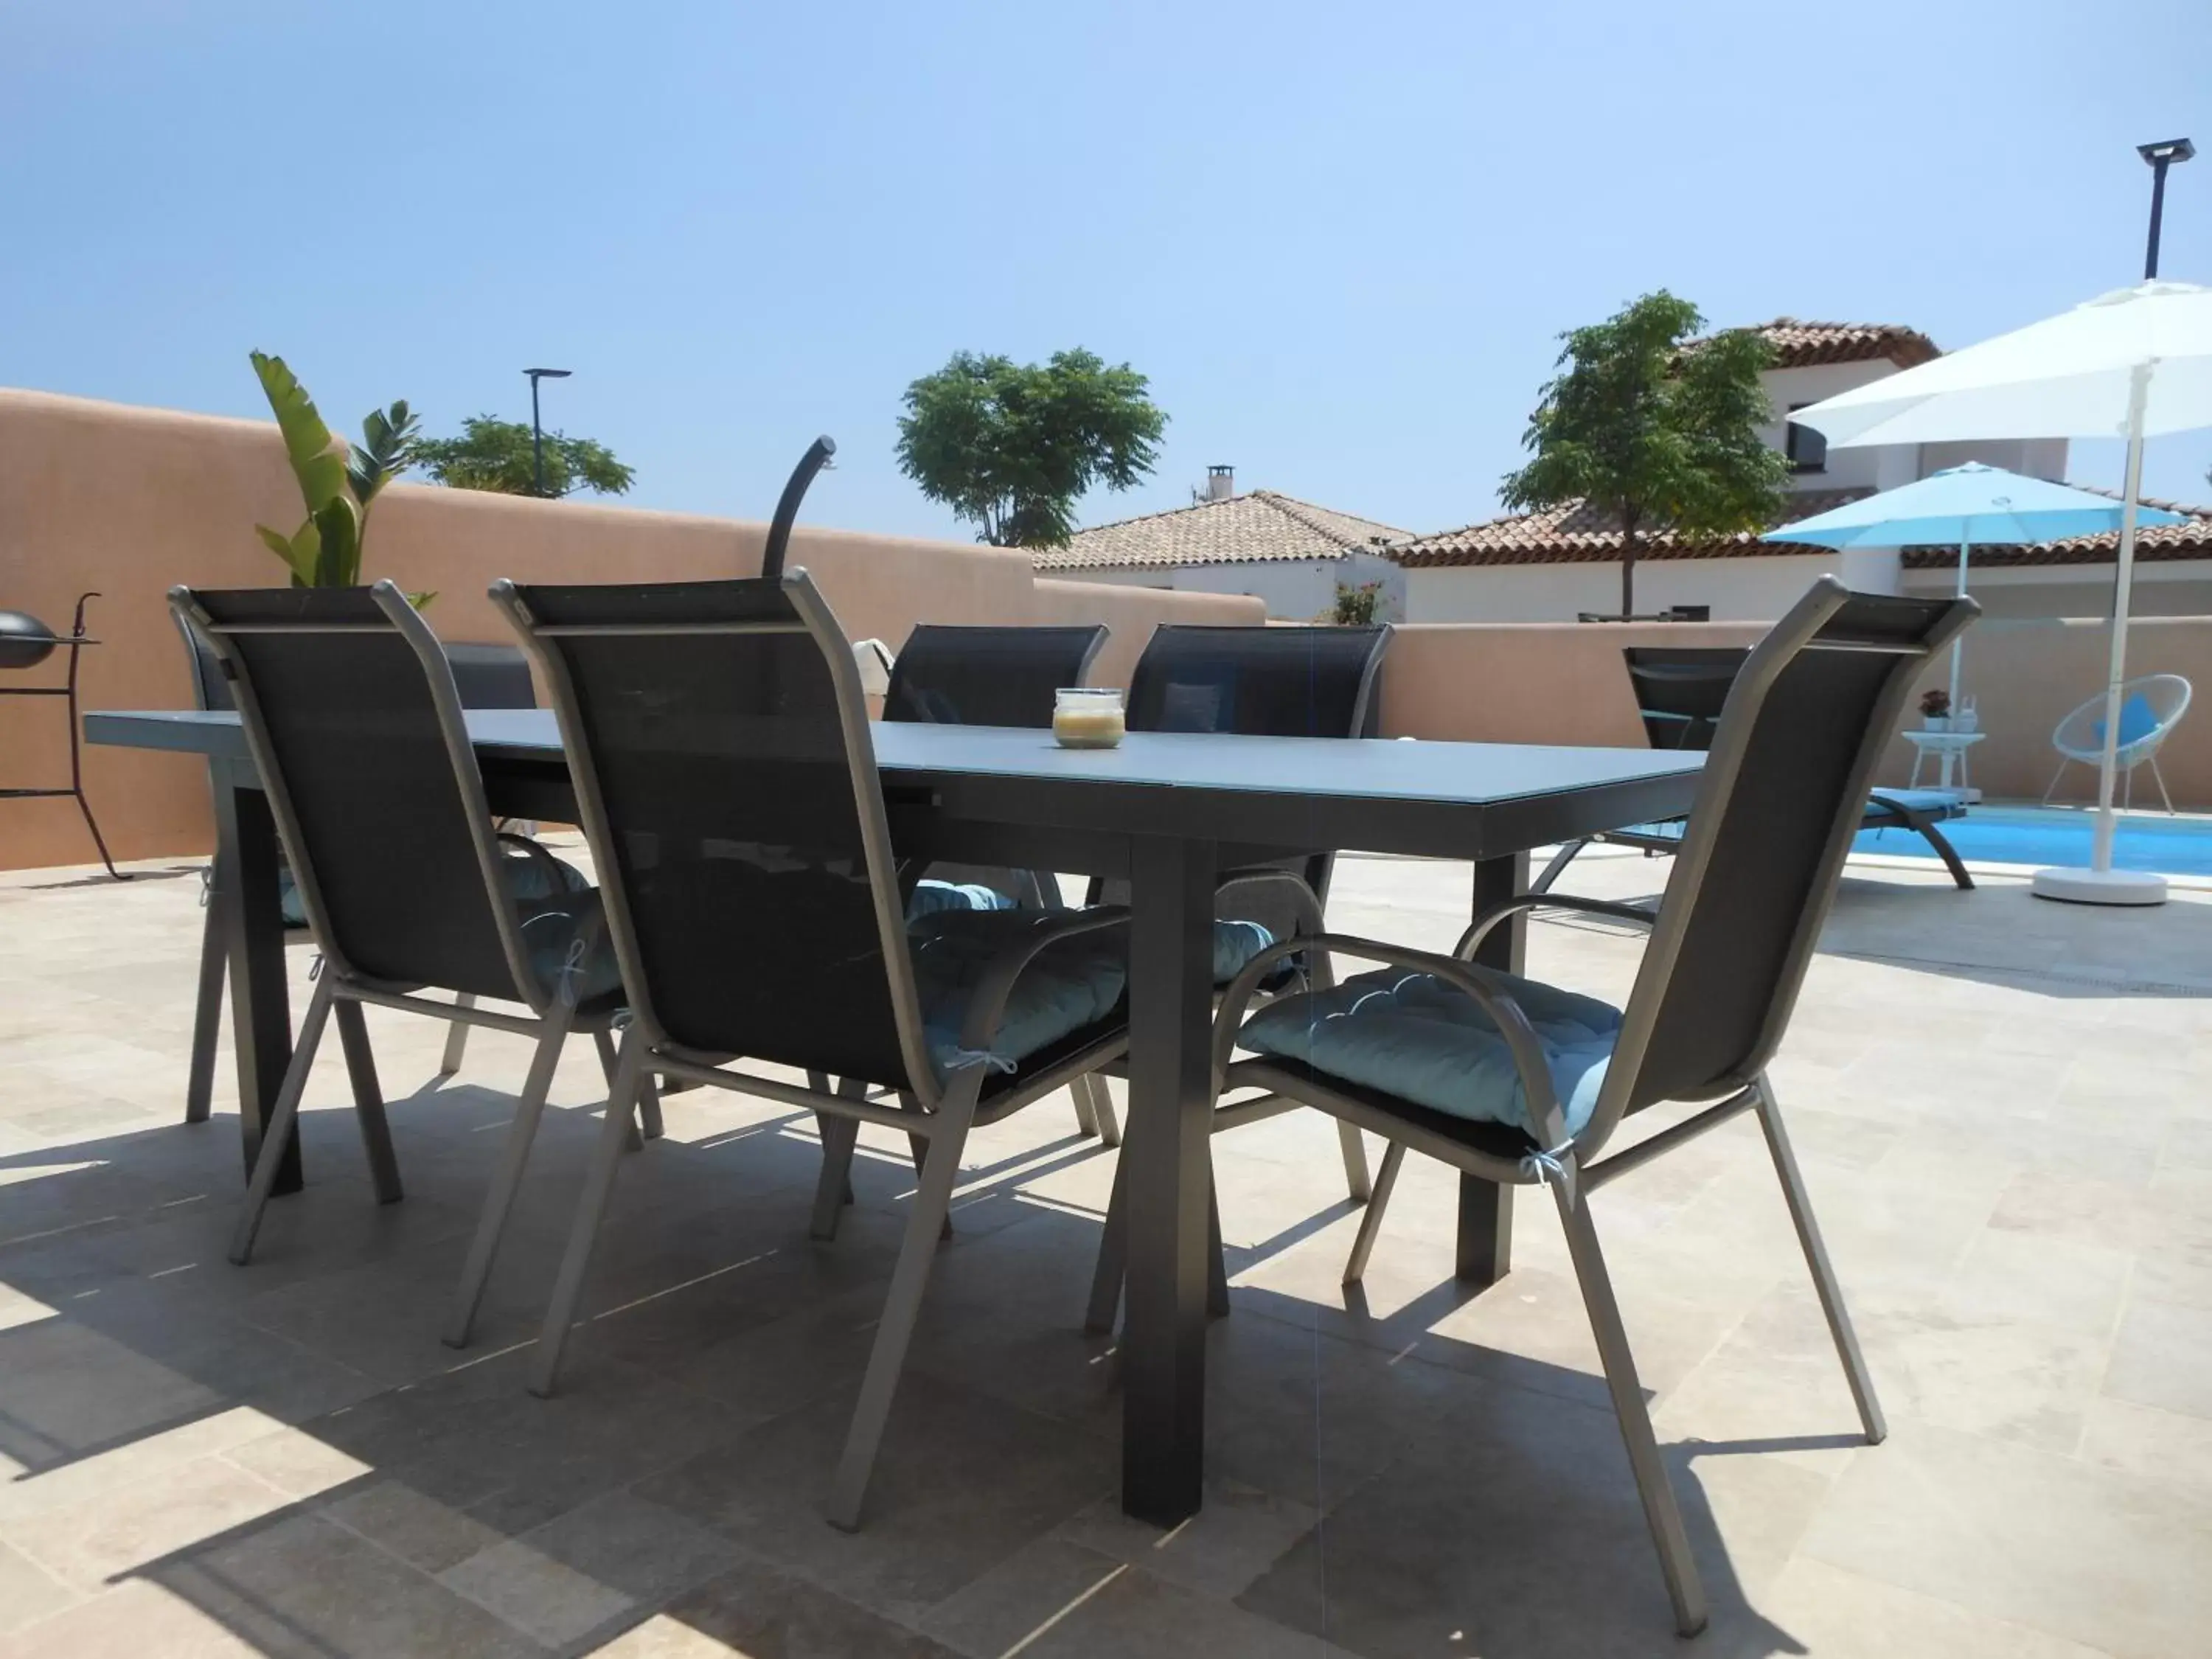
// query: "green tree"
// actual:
[[1647, 421], [1011, 446], [497, 455]]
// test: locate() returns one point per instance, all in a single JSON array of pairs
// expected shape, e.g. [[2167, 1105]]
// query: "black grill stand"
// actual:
[[74, 645]]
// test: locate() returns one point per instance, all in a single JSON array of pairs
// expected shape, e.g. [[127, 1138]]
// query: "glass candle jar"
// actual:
[[1087, 717]]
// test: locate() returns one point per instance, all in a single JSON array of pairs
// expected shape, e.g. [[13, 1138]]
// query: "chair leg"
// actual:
[[1216, 1264], [1660, 1513], [368, 1101], [1824, 1271], [2159, 777], [1086, 1120], [1101, 1107], [1112, 1257], [1357, 1182], [207, 1018], [650, 1127], [591, 1210], [1370, 1223], [1941, 842], [839, 1136], [277, 1132], [940, 1171], [456, 1037], [506, 1180], [2127, 791], [2053, 789], [1557, 867]]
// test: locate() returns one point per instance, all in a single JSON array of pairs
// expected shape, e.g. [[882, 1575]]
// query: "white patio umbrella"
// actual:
[[2132, 364]]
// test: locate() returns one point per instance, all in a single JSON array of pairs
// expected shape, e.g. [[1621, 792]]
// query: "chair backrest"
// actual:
[[1258, 681], [987, 676], [719, 741], [1680, 691], [1316, 681], [2151, 706], [1781, 796], [354, 724]]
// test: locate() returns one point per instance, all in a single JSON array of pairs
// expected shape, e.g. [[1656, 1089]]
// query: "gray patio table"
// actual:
[[1166, 811]]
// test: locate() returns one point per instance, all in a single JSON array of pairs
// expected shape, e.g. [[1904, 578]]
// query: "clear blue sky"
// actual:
[[1341, 240]]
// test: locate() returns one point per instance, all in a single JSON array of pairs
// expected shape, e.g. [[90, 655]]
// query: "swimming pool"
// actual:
[[2041, 835]]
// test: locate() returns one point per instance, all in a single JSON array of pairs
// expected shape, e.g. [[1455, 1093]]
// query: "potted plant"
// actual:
[[338, 480], [1936, 709]]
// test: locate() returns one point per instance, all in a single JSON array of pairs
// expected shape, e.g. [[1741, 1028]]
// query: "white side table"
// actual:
[[1948, 750]]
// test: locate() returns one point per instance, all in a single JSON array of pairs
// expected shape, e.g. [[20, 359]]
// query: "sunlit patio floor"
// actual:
[[2001, 1105]]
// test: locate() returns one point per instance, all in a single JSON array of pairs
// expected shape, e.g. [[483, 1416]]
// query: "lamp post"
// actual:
[[537, 432], [2159, 157]]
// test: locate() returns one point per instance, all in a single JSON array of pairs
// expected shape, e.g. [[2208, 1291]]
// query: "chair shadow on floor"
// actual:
[[338, 1482]]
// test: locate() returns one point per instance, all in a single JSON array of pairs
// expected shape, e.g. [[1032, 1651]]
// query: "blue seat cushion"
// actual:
[[2138, 720], [552, 924], [1422, 1039], [929, 897], [1235, 943], [1071, 984], [1930, 803]]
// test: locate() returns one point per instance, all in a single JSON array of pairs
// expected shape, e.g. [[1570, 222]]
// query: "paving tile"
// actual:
[[29, 1592], [593, 1565], [961, 1483], [2143, 1440], [1239, 1534], [135, 1618], [763, 1611], [124, 1529], [2106, 1559], [1133, 1612], [1835, 1615], [2162, 1357], [996, 1613]]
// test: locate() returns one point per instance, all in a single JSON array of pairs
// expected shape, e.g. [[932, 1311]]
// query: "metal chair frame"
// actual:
[[1306, 896], [1571, 1165], [938, 1114], [552, 1015]]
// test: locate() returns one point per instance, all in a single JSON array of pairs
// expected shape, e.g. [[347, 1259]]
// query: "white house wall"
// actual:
[[1756, 588], [2165, 588], [1885, 466], [1293, 590]]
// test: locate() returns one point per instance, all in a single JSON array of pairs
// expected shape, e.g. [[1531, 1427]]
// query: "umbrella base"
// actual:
[[2100, 886]]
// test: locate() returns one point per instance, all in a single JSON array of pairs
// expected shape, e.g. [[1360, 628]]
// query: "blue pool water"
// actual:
[[2043, 836]]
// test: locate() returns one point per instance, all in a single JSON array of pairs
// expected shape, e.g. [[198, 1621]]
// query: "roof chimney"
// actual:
[[1220, 483]]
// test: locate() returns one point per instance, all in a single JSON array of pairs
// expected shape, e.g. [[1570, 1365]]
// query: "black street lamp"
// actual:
[[537, 432], [2160, 157]]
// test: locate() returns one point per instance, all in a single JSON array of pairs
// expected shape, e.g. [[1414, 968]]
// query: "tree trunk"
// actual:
[[1628, 563]]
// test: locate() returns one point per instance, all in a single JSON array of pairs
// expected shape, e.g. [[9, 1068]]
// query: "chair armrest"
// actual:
[[1480, 983], [987, 1007], [1479, 929]]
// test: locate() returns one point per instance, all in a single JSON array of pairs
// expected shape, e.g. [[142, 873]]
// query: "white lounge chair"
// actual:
[[2150, 707]]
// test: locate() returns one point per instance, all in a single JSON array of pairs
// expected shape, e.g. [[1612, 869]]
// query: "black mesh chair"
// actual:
[[725, 775], [490, 676], [1681, 692], [1537, 1081], [1260, 682], [960, 676], [354, 721]]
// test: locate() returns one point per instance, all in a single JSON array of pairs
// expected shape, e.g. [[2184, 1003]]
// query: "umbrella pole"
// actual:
[[2108, 765], [1958, 646]]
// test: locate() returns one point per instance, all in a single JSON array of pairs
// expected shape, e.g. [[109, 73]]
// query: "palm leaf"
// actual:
[[387, 450], [337, 562], [318, 457], [299, 550]]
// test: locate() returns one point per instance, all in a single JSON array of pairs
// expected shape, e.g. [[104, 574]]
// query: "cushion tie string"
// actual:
[[1550, 1166], [955, 1058], [571, 968]]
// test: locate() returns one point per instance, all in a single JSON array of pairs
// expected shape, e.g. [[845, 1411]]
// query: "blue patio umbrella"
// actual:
[[1966, 507]]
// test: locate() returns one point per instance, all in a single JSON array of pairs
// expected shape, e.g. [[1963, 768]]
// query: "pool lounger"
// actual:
[[1917, 810]]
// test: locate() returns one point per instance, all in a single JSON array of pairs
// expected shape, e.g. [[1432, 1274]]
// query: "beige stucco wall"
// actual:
[[1548, 682], [130, 500]]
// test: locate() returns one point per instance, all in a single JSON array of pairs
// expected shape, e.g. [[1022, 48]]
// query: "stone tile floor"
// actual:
[[2000, 1105]]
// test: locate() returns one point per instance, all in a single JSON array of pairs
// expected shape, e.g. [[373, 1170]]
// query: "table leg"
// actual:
[[245, 886], [1486, 1209], [1166, 1156]]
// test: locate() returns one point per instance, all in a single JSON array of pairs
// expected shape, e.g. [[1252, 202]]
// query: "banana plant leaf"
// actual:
[[318, 456]]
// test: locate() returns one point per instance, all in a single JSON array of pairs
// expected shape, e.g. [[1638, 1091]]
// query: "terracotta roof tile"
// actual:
[[2189, 540], [1258, 525], [1800, 344], [1579, 534]]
